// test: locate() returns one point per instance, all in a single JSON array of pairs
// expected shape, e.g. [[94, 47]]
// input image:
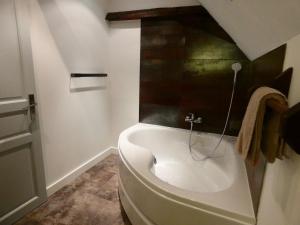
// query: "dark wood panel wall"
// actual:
[[186, 67]]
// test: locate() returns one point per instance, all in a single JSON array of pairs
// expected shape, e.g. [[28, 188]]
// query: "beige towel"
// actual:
[[260, 133]]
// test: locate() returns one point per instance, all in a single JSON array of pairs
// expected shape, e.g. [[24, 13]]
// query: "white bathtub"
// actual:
[[160, 184]]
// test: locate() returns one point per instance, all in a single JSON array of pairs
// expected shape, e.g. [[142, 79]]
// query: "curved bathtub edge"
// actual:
[[137, 212], [134, 214]]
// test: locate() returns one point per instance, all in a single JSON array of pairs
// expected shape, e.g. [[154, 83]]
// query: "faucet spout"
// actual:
[[190, 118]]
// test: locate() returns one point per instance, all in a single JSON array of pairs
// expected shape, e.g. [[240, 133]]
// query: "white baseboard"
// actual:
[[69, 177], [114, 149]]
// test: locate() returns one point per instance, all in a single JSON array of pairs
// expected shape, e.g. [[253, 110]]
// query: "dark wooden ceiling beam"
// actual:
[[157, 12]]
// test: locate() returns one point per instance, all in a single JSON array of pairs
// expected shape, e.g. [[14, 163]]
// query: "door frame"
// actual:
[[22, 13]]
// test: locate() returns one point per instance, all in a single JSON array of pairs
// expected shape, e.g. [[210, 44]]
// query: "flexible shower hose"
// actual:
[[212, 155]]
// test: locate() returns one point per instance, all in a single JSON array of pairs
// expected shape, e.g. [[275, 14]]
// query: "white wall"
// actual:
[[80, 31], [124, 70], [75, 126], [127, 5], [257, 26], [281, 191], [72, 36]]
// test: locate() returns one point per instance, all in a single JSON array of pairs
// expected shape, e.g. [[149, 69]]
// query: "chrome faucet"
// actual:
[[190, 118]]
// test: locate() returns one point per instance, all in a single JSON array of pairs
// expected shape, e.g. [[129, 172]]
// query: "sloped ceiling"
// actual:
[[257, 26]]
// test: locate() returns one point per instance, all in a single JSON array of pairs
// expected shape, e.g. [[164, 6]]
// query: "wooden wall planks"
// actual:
[[155, 13], [186, 67]]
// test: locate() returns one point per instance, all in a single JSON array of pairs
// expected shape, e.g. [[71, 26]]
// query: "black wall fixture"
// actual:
[[77, 75], [156, 13]]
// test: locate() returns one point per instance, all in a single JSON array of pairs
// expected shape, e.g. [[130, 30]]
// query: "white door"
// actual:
[[22, 183]]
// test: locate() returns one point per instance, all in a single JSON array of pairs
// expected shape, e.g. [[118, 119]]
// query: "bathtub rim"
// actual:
[[134, 213], [208, 201], [230, 173]]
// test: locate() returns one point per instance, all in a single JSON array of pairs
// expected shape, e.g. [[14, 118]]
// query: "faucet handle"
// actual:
[[198, 120], [190, 117]]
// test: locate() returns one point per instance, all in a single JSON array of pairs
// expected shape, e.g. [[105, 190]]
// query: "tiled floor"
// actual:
[[92, 199]]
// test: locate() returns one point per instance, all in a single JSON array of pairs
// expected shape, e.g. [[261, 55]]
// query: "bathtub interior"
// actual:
[[174, 165]]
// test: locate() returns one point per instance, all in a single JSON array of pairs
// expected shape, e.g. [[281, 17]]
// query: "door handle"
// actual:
[[31, 107]]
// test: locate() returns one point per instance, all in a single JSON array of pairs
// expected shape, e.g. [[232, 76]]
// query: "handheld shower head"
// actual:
[[236, 67]]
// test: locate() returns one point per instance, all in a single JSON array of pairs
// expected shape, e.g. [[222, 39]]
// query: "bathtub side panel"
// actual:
[[166, 211]]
